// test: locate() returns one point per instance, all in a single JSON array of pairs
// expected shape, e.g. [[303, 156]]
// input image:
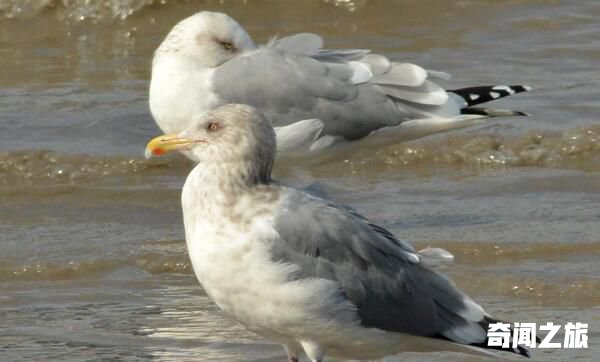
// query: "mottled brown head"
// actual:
[[232, 136]]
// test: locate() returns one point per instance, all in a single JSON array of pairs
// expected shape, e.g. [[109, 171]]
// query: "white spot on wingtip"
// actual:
[[434, 257], [527, 88], [361, 72], [473, 96], [495, 95], [472, 311], [413, 258], [505, 88]]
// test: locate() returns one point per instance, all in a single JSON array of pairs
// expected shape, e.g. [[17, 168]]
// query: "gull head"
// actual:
[[206, 38], [233, 134]]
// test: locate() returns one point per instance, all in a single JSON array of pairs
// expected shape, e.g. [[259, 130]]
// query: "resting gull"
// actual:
[[311, 274], [314, 97]]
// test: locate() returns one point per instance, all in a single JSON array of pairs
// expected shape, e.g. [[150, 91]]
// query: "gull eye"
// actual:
[[213, 126], [227, 45]]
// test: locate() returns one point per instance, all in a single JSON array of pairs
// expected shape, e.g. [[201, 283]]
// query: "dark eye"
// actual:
[[212, 126], [227, 45]]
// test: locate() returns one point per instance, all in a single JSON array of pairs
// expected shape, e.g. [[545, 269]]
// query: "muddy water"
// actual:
[[92, 261]]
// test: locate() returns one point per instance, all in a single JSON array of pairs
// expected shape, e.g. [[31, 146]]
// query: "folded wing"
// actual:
[[381, 275]]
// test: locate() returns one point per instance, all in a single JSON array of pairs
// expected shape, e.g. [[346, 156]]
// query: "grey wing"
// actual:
[[352, 92], [381, 275], [303, 43]]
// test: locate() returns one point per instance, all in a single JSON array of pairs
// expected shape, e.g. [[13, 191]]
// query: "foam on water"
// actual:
[[75, 10], [482, 268], [44, 270], [49, 167], [106, 10], [576, 148]]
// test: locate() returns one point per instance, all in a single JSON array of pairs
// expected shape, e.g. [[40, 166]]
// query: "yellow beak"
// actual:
[[166, 143]]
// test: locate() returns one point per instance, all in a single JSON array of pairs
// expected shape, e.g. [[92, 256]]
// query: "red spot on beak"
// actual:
[[158, 152]]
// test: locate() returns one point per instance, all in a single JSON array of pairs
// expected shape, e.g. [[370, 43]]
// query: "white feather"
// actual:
[[361, 72], [378, 63], [404, 74], [297, 135], [438, 74], [434, 257], [430, 94]]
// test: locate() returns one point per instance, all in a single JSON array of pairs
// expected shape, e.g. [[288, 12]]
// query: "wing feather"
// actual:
[[404, 74], [428, 93], [303, 43], [378, 63], [352, 92], [290, 87], [377, 272]]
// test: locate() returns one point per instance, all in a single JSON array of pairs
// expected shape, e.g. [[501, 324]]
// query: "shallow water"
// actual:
[[92, 259]]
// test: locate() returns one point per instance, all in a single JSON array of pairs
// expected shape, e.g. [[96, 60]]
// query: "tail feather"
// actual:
[[484, 323], [482, 94], [520, 350], [491, 112]]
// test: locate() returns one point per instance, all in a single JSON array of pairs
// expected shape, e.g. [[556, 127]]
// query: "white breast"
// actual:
[[234, 263], [236, 271]]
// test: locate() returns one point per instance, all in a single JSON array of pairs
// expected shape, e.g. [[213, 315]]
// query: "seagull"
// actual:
[[315, 98], [309, 273]]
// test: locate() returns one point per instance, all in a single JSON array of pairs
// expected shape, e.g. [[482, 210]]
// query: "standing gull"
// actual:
[[306, 272], [315, 97]]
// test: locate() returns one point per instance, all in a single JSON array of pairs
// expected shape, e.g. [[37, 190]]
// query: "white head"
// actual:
[[209, 38], [234, 137]]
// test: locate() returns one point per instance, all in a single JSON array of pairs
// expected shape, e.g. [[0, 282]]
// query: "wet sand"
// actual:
[[93, 264]]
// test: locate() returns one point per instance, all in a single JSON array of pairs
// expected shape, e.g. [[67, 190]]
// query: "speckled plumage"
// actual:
[[309, 273]]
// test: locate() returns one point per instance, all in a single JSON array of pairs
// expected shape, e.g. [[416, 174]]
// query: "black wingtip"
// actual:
[[490, 112], [519, 349], [523, 352], [520, 113], [482, 94]]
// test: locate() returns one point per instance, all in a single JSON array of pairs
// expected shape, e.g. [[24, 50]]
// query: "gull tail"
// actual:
[[458, 111], [461, 320], [476, 95], [519, 349]]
